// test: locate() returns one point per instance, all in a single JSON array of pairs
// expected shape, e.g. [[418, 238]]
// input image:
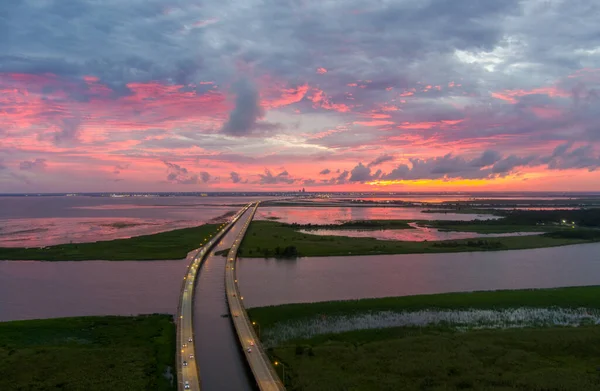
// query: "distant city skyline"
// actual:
[[279, 96]]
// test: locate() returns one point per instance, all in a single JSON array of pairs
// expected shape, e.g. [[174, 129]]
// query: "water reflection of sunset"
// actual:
[[419, 234], [332, 215], [50, 231], [44, 221]]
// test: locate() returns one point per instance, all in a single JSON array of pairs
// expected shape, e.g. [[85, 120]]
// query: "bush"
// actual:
[[585, 234]]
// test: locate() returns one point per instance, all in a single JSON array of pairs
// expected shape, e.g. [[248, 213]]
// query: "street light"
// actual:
[[282, 371], [258, 326]]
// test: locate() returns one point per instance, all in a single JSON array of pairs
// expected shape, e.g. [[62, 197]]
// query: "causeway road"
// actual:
[[218, 353], [187, 368], [263, 371]]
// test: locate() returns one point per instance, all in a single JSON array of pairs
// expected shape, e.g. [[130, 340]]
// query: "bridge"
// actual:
[[263, 371], [187, 366], [187, 369]]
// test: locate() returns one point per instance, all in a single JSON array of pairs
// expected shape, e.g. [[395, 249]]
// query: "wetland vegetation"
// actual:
[[88, 353], [502, 340], [270, 239], [161, 246]]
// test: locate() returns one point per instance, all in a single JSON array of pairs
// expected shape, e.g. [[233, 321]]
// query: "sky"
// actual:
[[327, 95]]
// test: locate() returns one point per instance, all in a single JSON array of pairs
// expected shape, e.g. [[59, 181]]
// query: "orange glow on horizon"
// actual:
[[431, 182]]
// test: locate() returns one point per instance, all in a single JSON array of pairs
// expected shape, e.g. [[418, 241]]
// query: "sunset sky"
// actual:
[[330, 95]]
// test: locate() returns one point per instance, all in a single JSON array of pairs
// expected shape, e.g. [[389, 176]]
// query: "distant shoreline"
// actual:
[[271, 239]]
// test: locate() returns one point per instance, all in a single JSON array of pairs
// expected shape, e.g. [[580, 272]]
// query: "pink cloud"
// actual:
[[389, 108], [320, 100], [428, 125], [546, 112], [284, 96], [374, 123], [511, 95], [114, 125]]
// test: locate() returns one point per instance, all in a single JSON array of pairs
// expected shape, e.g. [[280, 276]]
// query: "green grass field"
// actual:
[[88, 353], [429, 359], [488, 228], [440, 357], [264, 237], [165, 245]]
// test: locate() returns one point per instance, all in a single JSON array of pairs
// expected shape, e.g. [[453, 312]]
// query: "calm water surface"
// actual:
[[222, 364], [418, 234], [270, 282], [333, 214], [31, 290], [43, 221]]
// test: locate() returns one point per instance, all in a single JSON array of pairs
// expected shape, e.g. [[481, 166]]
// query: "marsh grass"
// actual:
[[264, 237], [431, 359], [566, 298], [161, 246], [88, 353], [521, 340], [456, 320]]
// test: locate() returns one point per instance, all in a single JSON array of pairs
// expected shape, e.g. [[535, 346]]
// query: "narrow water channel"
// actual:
[[222, 365]]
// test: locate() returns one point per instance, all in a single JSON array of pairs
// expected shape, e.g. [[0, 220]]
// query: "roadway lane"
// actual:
[[187, 368], [264, 374], [222, 365]]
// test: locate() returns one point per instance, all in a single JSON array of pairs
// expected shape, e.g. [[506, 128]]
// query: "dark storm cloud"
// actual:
[[510, 163], [561, 149], [120, 41], [157, 40], [360, 173], [487, 158], [269, 179], [235, 177], [450, 166], [491, 164], [205, 176], [582, 157], [181, 175], [340, 179], [325, 171], [381, 159], [381, 48], [377, 39], [247, 111]]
